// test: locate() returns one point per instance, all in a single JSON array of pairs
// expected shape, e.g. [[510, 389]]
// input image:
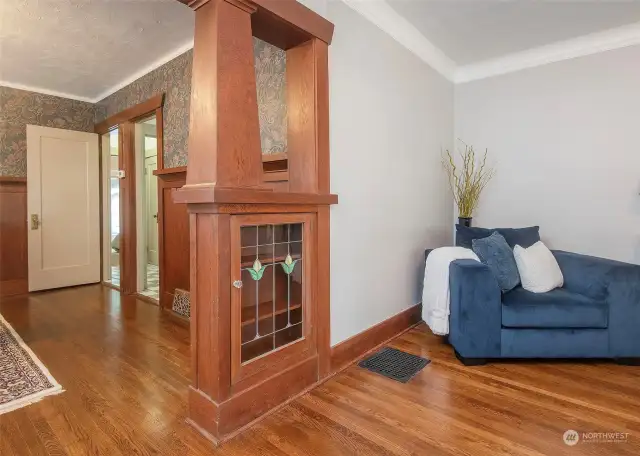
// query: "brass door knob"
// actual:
[[35, 221]]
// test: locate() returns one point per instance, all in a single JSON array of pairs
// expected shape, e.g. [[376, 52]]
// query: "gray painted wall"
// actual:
[[390, 116], [564, 138]]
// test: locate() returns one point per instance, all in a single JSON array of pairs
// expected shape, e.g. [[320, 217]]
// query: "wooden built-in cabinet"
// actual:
[[259, 224], [271, 301], [173, 238]]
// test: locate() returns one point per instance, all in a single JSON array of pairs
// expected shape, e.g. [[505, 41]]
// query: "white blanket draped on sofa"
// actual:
[[435, 294]]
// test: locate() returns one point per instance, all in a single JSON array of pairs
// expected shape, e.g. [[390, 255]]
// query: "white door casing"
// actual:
[[63, 188]]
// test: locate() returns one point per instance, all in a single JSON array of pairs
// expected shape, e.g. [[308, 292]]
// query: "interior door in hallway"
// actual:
[[63, 206], [151, 184]]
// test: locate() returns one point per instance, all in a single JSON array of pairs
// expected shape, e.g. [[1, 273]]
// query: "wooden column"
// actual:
[[225, 192], [224, 134]]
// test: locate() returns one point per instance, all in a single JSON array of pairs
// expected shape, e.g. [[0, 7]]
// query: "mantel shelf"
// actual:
[[198, 194], [163, 171]]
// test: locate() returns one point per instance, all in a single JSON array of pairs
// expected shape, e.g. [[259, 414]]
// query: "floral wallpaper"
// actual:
[[19, 108], [174, 79], [271, 65]]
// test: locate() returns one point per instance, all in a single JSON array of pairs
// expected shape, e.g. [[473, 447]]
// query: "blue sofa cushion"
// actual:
[[525, 237], [557, 308], [498, 256]]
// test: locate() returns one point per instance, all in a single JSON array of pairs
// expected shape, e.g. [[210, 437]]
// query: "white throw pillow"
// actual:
[[538, 268]]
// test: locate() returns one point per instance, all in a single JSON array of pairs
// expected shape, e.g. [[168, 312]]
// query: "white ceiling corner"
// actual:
[[577, 47], [400, 29], [80, 49], [44, 91], [181, 49]]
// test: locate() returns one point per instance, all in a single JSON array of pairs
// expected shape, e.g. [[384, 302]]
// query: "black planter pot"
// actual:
[[465, 221]]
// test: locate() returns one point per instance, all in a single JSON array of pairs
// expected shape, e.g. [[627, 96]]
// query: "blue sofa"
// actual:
[[596, 314]]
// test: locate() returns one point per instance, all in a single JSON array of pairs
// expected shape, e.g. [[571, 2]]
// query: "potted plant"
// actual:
[[467, 180]]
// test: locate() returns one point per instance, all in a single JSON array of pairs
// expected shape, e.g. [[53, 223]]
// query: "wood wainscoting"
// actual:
[[173, 238], [355, 347], [14, 272]]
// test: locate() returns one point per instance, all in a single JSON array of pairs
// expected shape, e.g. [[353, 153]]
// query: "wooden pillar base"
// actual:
[[222, 421]]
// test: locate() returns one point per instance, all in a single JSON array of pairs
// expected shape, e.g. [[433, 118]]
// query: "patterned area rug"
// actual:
[[23, 378]]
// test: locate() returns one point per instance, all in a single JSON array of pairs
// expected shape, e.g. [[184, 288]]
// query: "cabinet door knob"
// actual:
[[237, 284]]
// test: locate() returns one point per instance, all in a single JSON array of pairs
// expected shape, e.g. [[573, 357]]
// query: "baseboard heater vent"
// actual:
[[181, 303], [394, 364]]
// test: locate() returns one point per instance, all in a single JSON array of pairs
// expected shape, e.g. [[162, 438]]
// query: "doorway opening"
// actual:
[[112, 235], [131, 153], [147, 152]]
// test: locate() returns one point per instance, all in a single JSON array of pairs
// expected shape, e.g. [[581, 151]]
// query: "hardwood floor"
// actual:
[[125, 372]]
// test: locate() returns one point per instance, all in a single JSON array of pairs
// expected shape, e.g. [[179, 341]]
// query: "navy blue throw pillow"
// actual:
[[524, 237], [498, 256]]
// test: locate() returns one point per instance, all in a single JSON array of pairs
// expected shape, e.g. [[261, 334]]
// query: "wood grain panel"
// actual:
[[323, 294], [131, 114], [224, 133], [301, 139], [129, 237], [13, 237], [357, 346], [173, 236]]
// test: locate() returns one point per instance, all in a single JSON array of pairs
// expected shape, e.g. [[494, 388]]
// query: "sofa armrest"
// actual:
[[475, 319], [615, 282]]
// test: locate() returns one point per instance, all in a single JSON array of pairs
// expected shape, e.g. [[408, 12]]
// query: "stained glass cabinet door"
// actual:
[[271, 308]]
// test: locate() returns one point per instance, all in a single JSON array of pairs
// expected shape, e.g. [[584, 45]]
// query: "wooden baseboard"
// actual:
[[146, 298], [359, 345], [176, 318], [227, 419], [13, 287]]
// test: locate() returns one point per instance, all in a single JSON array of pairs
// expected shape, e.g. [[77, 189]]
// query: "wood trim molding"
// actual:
[[197, 194], [13, 237], [129, 237], [170, 171], [354, 348], [12, 179], [171, 225], [159, 138], [130, 114], [290, 11]]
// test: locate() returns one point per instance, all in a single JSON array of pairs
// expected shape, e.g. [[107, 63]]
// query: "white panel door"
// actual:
[[63, 206]]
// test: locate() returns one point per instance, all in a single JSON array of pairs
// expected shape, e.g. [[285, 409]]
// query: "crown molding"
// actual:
[[53, 93], [146, 70], [389, 21], [593, 43], [125, 82]]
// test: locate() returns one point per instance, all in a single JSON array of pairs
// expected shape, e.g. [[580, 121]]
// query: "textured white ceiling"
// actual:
[[86, 47], [469, 31]]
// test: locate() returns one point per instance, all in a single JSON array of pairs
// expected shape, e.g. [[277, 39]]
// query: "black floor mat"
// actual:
[[394, 364]]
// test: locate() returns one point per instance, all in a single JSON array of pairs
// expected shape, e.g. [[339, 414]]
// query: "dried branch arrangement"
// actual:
[[467, 180]]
